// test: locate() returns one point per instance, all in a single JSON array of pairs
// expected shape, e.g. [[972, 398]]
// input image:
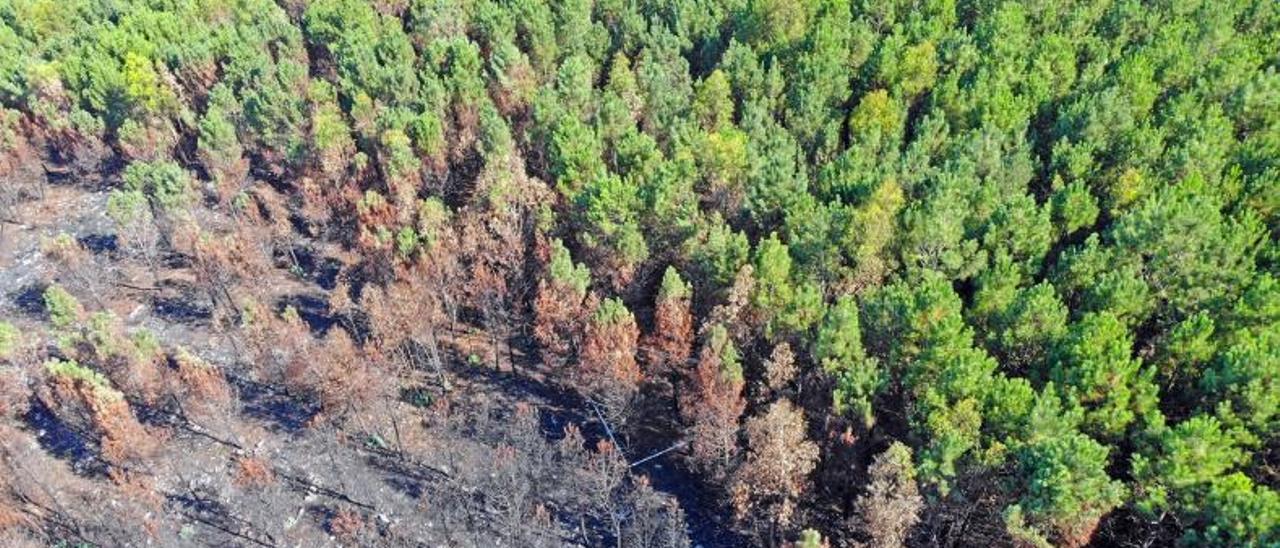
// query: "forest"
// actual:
[[637, 273]]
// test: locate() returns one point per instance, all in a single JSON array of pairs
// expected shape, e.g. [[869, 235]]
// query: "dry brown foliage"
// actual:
[[228, 169], [200, 387], [780, 368], [253, 473], [273, 341], [50, 497], [82, 272], [266, 226], [734, 312], [671, 342], [377, 218], [608, 372], [558, 325], [221, 263], [122, 438], [15, 389], [318, 201], [136, 371], [15, 494], [12, 518], [137, 488], [331, 162], [404, 321], [346, 524], [101, 412], [711, 406], [512, 94], [344, 380], [892, 503], [21, 171], [389, 319], [488, 291], [779, 460]]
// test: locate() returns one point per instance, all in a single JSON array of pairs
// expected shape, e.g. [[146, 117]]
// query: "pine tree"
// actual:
[[713, 402], [892, 503], [608, 372], [858, 378]]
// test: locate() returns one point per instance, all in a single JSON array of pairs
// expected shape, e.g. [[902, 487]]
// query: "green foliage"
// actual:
[[1190, 458], [164, 183], [433, 221], [776, 176], [620, 103], [372, 53], [839, 350], [218, 142], [1074, 208], [1021, 324], [399, 158], [665, 82], [720, 253], [1095, 278], [934, 235], [810, 538], [918, 327], [63, 309], [1236, 512], [778, 23], [917, 330], [1067, 487], [145, 344], [563, 270], [75, 372], [877, 117], [1198, 263], [791, 303], [673, 287], [426, 130], [819, 82], [1189, 346], [712, 103], [126, 207], [1020, 230], [609, 209], [612, 312], [575, 156], [330, 134], [1246, 380], [773, 274], [1094, 368], [99, 333], [10, 340], [906, 69], [406, 241], [723, 162], [1015, 524], [720, 343]]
